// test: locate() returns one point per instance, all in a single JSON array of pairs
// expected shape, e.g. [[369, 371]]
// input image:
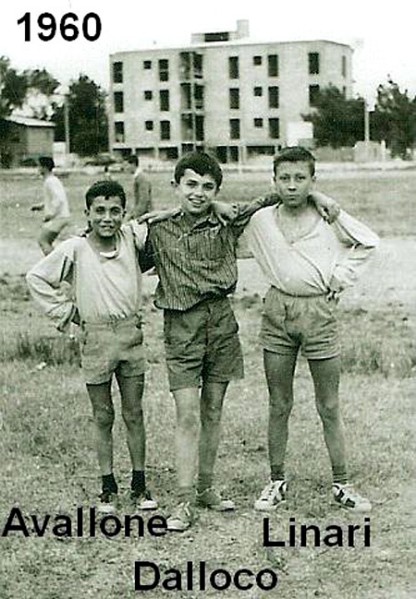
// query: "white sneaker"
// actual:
[[272, 494], [347, 497]]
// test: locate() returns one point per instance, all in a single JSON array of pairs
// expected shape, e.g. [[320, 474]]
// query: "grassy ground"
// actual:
[[49, 463]]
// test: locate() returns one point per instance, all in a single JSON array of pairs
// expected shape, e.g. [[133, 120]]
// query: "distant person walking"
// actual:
[[142, 190], [55, 205]]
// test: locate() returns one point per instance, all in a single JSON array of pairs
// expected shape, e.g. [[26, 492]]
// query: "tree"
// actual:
[[337, 121], [88, 124], [394, 119], [17, 88]]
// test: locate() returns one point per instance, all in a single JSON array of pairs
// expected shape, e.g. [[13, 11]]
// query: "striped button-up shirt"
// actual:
[[195, 259]]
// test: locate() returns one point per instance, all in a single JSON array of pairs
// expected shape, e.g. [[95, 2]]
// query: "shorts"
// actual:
[[202, 345], [291, 322], [112, 347]]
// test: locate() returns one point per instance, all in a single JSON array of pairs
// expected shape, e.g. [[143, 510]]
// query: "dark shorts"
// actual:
[[291, 322], [111, 347], [202, 345]]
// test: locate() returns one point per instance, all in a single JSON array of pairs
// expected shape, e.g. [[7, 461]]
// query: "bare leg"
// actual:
[[187, 430], [279, 370], [212, 398], [326, 374], [131, 391], [103, 413]]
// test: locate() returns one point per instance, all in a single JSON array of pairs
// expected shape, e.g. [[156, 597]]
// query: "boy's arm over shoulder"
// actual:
[[45, 278], [361, 241]]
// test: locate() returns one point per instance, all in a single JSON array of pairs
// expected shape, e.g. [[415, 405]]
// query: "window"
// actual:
[[313, 94], [117, 72], [233, 68], [164, 99], [163, 69], [274, 128], [148, 125], [147, 65], [273, 97], [235, 128], [148, 94], [234, 98], [273, 65], [220, 36], [257, 60], [313, 59], [344, 66], [119, 132], [118, 102], [258, 91], [258, 123], [164, 129]]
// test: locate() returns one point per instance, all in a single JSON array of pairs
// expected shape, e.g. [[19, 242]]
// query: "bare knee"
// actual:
[[211, 415], [132, 417], [329, 412], [188, 419], [280, 405], [104, 417]]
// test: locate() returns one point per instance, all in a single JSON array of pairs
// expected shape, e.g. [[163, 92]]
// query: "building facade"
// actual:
[[235, 97]]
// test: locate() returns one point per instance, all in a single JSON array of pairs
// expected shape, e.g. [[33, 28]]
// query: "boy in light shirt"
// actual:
[[103, 270], [308, 263]]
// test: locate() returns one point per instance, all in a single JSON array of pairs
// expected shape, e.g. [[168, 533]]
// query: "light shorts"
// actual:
[[109, 347], [202, 345], [290, 322]]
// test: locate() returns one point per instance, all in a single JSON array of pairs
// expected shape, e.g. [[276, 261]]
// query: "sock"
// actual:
[[204, 481], [277, 472], [138, 481], [186, 494], [109, 483], [339, 475]]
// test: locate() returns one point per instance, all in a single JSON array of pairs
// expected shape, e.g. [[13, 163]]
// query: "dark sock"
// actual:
[[277, 473], [339, 475], [109, 483], [138, 481]]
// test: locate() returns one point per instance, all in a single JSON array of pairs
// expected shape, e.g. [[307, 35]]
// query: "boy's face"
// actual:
[[105, 215], [293, 182], [195, 192]]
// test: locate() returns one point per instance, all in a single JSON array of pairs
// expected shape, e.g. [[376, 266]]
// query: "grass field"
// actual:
[[47, 449]]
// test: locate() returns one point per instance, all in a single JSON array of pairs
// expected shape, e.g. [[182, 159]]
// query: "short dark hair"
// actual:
[[133, 160], [294, 154], [106, 189], [46, 162], [200, 162]]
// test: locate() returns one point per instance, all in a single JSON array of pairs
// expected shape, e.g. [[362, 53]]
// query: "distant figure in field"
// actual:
[[142, 190], [55, 205]]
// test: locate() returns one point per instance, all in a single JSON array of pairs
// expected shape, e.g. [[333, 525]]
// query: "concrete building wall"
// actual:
[[141, 77]]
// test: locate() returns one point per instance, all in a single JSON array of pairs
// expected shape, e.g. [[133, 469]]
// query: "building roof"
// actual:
[[229, 43], [28, 121]]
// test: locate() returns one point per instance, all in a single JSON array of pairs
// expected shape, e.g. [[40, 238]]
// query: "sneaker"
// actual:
[[272, 494], [181, 518], [347, 497], [142, 500], [108, 501], [211, 499]]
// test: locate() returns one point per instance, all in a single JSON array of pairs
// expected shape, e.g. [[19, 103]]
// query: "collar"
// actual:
[[209, 218]]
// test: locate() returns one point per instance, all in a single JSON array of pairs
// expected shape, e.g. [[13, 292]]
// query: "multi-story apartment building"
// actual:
[[235, 97]]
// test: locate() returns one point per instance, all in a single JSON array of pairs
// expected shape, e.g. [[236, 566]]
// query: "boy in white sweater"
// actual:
[[307, 262]]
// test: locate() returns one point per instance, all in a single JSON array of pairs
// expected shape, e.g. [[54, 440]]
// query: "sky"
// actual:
[[382, 33]]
